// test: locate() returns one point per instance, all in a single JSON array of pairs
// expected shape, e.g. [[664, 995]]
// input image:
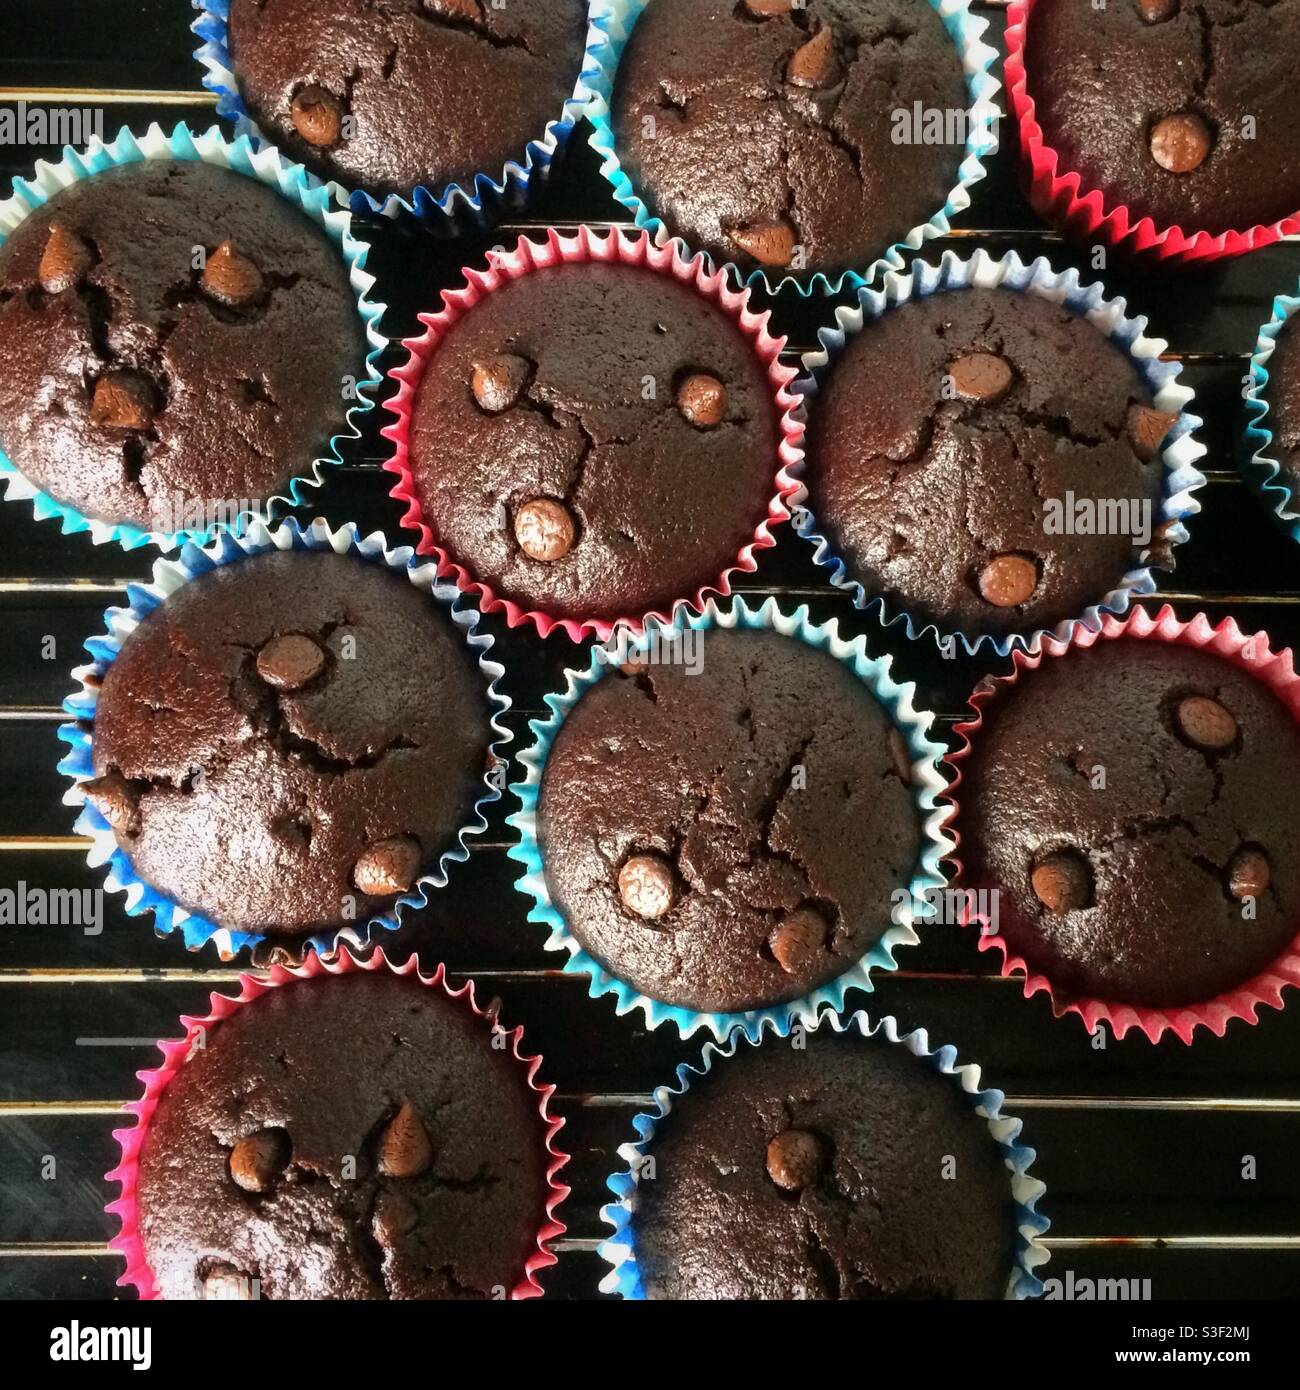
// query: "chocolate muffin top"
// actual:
[[389, 95], [755, 127], [845, 1169], [1135, 804], [356, 1137], [723, 829], [140, 387], [594, 441], [967, 453], [1184, 111], [1283, 419], [286, 742]]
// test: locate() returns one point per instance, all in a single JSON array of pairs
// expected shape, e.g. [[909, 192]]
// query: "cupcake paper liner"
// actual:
[[611, 24], [1252, 654], [1263, 471], [267, 167], [619, 1250], [588, 247], [128, 1242], [142, 599], [1181, 451], [456, 207], [927, 781], [1060, 196]]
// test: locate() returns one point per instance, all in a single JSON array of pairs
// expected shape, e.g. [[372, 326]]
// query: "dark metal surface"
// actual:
[[1143, 1148]]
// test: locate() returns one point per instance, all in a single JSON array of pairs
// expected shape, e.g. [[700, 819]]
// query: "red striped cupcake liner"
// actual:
[[1253, 654], [176, 1052]]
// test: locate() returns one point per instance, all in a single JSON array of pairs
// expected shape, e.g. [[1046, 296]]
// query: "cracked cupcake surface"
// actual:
[[172, 336], [765, 132], [286, 742], [594, 441], [843, 1169], [1135, 804], [728, 834], [987, 460], [388, 95], [1184, 111], [351, 1137]]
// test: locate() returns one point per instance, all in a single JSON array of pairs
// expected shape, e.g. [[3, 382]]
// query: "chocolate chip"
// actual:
[[764, 9], [258, 1159], [1205, 724], [1146, 429], [112, 796], [981, 377], [387, 866], [317, 116], [769, 243], [702, 399], [1180, 143], [1007, 581], [404, 1147], [395, 1216], [123, 401], [468, 10], [231, 278], [794, 1159], [645, 884], [65, 260], [498, 381], [902, 756], [1157, 11], [814, 64], [1063, 882], [545, 529], [225, 1282], [799, 941], [290, 661], [1248, 873]]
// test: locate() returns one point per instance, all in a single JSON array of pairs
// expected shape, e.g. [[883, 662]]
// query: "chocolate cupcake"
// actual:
[[1180, 112], [409, 94], [353, 1138], [286, 743], [1273, 405], [768, 133], [152, 324], [958, 470], [1134, 806], [843, 1168], [588, 442], [726, 823]]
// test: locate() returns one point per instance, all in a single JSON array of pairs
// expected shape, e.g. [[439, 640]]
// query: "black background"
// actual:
[[1141, 1147]]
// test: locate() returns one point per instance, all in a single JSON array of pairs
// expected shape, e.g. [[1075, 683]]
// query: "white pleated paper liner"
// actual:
[[619, 1249], [1181, 453], [457, 207], [267, 167], [928, 785], [168, 576], [1262, 469], [612, 22]]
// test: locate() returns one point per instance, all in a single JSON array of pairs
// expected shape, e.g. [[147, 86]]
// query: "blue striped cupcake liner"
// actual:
[[928, 785], [170, 575], [267, 167], [612, 22], [619, 1249], [1263, 471], [457, 207], [1182, 450]]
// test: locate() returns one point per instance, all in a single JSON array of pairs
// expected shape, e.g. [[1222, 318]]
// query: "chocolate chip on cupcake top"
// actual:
[[152, 328], [1135, 805], [1283, 396], [844, 1169], [354, 1137], [988, 460], [388, 95], [755, 127], [288, 741], [724, 829], [594, 441], [1184, 111]]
